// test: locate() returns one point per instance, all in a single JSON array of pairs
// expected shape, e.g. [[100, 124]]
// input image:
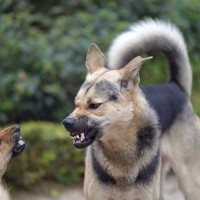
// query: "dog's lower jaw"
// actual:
[[18, 148]]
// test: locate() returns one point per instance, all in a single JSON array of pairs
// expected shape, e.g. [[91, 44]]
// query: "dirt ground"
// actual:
[[55, 191]]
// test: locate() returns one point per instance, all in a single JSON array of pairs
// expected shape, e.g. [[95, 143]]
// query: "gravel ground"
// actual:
[[54, 191]]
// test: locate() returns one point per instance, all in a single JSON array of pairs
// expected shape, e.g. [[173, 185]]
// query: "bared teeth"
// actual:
[[78, 138], [82, 136]]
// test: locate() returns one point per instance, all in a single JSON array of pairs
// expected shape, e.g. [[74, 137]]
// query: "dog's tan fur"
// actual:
[[123, 161], [8, 140]]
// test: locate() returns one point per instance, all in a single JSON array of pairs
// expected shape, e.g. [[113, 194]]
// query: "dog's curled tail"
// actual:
[[149, 35]]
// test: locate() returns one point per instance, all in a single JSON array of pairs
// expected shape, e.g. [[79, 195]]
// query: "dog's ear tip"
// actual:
[[141, 59], [93, 44], [93, 47], [148, 58]]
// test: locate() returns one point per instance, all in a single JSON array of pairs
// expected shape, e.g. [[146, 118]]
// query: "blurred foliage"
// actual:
[[49, 155], [44, 43]]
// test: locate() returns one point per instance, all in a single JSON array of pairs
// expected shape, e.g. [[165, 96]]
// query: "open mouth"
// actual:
[[82, 140], [18, 148], [19, 143]]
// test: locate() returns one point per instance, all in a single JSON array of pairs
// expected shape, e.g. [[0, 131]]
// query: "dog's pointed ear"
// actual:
[[95, 59], [131, 71]]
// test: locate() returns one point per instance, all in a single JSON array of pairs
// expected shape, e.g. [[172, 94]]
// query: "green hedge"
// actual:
[[49, 154]]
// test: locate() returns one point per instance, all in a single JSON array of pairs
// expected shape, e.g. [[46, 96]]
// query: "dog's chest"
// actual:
[[114, 193]]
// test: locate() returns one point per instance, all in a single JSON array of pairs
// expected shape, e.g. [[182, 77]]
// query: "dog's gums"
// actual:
[[82, 140]]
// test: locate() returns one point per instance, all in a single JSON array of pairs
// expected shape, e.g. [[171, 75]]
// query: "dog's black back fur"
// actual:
[[167, 100]]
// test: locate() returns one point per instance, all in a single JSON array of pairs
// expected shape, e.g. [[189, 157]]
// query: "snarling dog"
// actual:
[[11, 145], [128, 128]]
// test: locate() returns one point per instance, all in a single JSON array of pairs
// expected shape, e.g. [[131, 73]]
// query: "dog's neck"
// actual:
[[127, 144], [126, 160]]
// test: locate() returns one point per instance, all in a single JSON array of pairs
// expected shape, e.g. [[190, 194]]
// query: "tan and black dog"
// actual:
[[11, 145], [126, 128]]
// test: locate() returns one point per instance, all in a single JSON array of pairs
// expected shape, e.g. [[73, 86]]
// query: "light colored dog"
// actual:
[[11, 145], [126, 128]]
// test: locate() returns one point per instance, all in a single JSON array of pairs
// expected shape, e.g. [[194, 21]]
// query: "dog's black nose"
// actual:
[[69, 122], [17, 128]]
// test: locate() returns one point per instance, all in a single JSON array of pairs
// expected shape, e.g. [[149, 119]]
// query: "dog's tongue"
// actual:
[[18, 148]]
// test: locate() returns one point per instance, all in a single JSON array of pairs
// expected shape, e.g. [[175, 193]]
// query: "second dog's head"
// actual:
[[11, 145], [106, 102]]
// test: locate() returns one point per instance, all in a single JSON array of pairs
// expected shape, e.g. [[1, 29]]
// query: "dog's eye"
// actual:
[[94, 105]]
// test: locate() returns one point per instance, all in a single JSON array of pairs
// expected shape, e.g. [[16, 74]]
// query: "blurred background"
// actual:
[[43, 45]]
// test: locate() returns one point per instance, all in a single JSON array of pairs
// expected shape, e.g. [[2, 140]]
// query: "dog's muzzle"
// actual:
[[81, 134], [19, 142]]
